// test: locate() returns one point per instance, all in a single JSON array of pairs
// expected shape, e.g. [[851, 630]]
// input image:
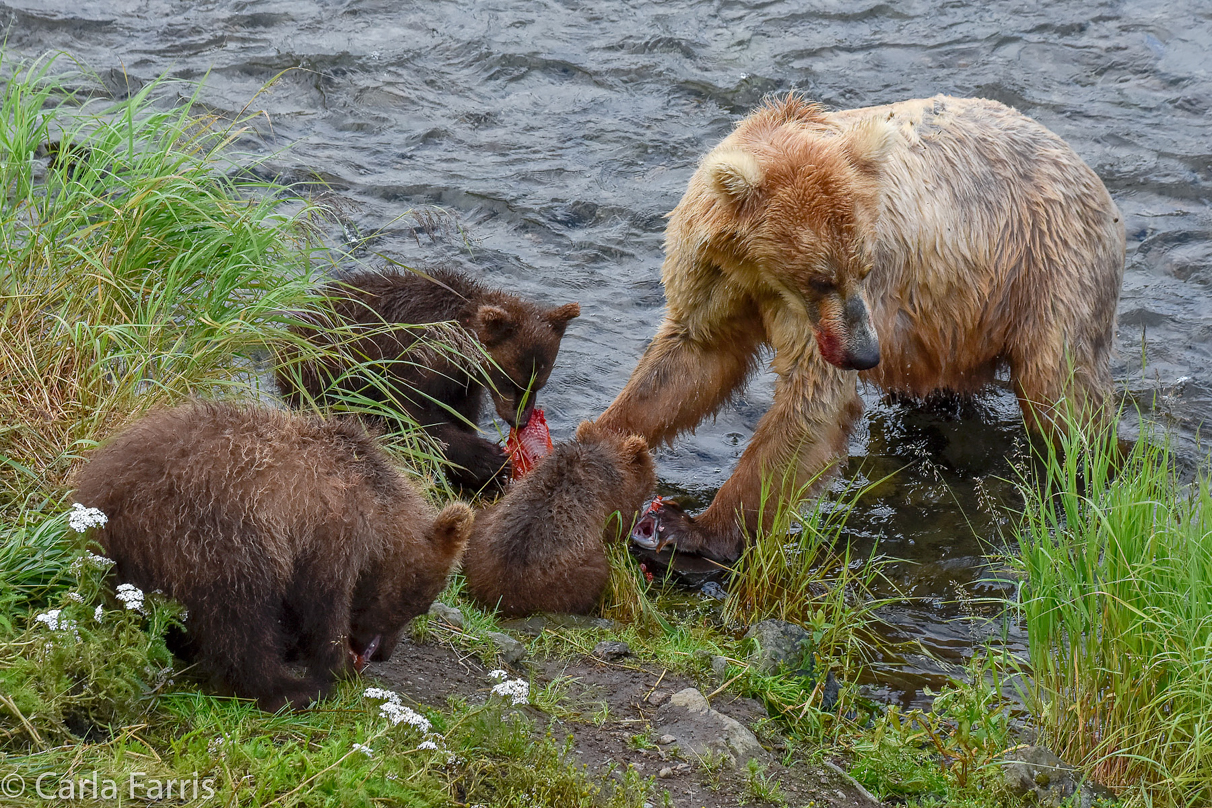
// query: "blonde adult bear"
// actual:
[[919, 246]]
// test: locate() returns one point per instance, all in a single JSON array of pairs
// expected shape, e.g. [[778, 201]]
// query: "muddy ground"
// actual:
[[610, 702]]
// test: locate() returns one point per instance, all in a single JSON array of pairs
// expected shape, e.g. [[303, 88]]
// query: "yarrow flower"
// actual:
[[92, 560], [364, 749], [81, 518], [428, 745], [498, 674], [394, 711], [55, 622], [399, 714], [75, 597], [131, 595], [100, 610], [518, 690]]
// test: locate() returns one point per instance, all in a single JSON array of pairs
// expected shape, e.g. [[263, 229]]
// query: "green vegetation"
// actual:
[[1118, 606]]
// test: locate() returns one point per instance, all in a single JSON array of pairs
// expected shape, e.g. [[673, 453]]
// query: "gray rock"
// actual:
[[719, 665], [697, 729], [447, 614], [665, 773], [777, 644], [510, 650], [657, 698], [1035, 772], [611, 649]]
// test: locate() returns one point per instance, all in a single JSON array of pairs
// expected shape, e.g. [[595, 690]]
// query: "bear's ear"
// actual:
[[734, 175], [493, 324], [587, 431], [868, 143], [559, 317], [635, 448]]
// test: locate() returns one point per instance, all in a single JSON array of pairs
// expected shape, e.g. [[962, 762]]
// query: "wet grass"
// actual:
[[1117, 599]]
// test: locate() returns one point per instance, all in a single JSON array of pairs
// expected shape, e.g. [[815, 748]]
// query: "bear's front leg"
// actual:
[[684, 375], [796, 442], [475, 464]]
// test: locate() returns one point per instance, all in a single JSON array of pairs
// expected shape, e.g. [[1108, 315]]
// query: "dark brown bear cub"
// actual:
[[540, 549], [279, 533], [439, 392]]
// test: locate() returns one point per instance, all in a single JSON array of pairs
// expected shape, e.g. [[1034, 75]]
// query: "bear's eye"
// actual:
[[821, 286]]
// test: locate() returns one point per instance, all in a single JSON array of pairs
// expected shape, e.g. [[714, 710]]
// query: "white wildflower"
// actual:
[[82, 518], [392, 776], [498, 675], [518, 690], [55, 622], [215, 747], [428, 745], [380, 693], [364, 749], [75, 597], [98, 612], [92, 560], [394, 711], [397, 714], [132, 596]]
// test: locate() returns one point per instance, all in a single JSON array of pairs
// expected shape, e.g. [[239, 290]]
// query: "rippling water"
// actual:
[[558, 135]]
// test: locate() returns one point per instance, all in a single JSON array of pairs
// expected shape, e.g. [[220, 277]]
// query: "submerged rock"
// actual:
[[690, 722]]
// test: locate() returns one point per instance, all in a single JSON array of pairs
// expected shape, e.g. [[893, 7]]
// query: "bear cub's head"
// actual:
[[631, 460], [521, 339]]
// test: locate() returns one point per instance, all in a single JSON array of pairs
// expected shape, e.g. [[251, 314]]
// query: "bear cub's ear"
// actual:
[[588, 431], [734, 175], [635, 448], [559, 317], [493, 324]]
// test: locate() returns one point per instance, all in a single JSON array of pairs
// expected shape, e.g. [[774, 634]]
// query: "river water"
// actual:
[[540, 143]]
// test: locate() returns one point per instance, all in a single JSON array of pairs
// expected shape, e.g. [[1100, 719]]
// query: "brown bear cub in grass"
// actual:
[[281, 534], [541, 548], [920, 246], [438, 390]]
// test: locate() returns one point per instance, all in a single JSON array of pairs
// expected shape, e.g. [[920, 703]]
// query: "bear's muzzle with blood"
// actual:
[[845, 335]]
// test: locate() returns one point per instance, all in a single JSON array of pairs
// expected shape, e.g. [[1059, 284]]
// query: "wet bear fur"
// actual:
[[281, 534], [541, 548], [436, 389], [920, 246]]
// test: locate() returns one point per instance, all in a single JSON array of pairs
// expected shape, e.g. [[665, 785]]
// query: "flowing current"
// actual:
[[553, 137]]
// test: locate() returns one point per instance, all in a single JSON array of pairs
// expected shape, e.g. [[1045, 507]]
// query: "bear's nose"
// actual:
[[863, 359]]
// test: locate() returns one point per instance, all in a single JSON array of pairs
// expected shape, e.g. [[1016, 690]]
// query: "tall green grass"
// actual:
[[799, 567], [134, 270], [1117, 599]]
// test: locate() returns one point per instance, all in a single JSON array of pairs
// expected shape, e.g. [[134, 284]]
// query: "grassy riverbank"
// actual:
[[140, 268], [1118, 606]]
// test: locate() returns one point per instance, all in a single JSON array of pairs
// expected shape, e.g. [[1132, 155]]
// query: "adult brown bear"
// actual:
[[283, 535], [919, 246]]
